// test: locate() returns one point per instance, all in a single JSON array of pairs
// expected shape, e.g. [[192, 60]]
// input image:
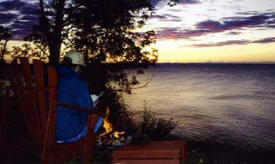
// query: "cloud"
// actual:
[[234, 23], [166, 18], [154, 2], [178, 33], [19, 34], [178, 2], [169, 33], [235, 42], [7, 18], [19, 17], [226, 43], [26, 25], [247, 13], [187, 2], [233, 33], [265, 40], [34, 18], [175, 10], [209, 25], [20, 29], [266, 20], [29, 9], [12, 5]]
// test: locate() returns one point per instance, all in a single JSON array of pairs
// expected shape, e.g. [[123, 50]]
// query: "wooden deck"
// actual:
[[154, 152]]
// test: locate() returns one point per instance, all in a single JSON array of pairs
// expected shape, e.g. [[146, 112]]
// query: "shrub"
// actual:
[[156, 128]]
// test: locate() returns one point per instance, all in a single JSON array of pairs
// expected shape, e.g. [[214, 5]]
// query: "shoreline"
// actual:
[[214, 153], [207, 151]]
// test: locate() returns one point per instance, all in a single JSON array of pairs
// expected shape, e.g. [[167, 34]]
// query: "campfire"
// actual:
[[110, 136]]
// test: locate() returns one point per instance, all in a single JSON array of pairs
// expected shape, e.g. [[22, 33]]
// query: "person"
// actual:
[[72, 124]]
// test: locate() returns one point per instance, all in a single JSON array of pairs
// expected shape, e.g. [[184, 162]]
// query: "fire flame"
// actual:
[[106, 123], [109, 128]]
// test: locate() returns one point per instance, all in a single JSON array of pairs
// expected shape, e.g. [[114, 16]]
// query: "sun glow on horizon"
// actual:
[[170, 52], [216, 31], [211, 31]]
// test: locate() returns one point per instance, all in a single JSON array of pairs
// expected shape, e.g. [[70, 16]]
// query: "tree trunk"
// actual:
[[54, 53], [56, 41], [3, 50]]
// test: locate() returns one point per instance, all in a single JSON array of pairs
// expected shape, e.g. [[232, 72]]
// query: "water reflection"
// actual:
[[231, 103]]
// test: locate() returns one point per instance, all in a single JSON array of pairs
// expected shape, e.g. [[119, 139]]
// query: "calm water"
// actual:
[[232, 103]]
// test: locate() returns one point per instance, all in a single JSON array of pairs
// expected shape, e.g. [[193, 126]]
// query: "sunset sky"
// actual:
[[191, 31]]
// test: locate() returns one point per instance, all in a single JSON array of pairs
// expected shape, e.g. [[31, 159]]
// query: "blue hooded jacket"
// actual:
[[72, 89]]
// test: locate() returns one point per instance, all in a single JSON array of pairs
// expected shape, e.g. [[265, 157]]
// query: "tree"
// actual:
[[27, 50], [102, 29], [106, 32], [48, 34], [5, 36], [107, 29], [104, 24]]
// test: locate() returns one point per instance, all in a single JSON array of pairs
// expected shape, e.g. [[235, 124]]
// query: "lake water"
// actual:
[[233, 103]]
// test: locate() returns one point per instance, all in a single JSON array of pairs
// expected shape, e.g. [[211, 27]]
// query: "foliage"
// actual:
[[48, 33], [27, 50], [156, 128], [5, 36], [102, 29], [106, 36], [120, 117], [106, 32]]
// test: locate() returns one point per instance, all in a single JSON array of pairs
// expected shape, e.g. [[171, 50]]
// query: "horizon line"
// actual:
[[219, 62]]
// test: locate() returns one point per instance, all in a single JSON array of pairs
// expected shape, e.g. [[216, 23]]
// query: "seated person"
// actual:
[[71, 125]]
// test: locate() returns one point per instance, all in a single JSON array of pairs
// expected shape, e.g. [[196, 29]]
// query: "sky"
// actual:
[[191, 31]]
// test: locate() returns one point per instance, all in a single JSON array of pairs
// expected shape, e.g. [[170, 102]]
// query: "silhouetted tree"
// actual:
[[48, 34], [5, 36], [104, 31], [27, 50], [102, 27]]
